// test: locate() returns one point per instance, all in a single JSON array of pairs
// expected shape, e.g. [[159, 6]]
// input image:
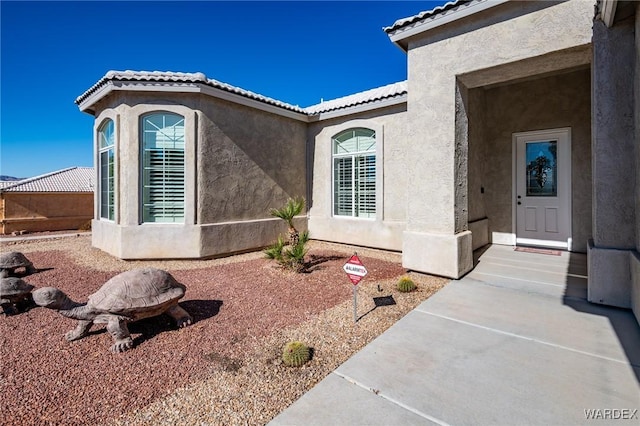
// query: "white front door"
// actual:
[[542, 198]]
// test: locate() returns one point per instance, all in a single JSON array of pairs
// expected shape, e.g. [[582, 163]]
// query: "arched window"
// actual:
[[106, 141], [354, 173], [163, 167]]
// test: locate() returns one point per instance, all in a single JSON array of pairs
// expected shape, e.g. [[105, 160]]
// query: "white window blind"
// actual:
[[354, 173], [106, 138], [163, 168]]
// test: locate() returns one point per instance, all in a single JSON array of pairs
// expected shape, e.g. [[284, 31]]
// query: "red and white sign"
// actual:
[[355, 269]]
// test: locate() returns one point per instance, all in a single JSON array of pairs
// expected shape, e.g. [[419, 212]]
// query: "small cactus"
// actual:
[[295, 354], [406, 285]]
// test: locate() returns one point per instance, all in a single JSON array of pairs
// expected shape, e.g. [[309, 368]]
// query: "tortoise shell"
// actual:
[[13, 259], [13, 286], [137, 291]]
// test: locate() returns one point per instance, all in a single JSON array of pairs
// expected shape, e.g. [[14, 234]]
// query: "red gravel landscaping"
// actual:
[[47, 380]]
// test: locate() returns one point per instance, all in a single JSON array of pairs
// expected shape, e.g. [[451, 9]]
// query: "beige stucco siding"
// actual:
[[435, 62], [512, 41], [636, 81], [249, 161], [239, 163], [393, 183]]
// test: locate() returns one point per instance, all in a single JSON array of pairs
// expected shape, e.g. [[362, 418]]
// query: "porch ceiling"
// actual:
[[551, 63]]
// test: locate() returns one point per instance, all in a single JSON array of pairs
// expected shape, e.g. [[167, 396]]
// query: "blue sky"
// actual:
[[296, 52]]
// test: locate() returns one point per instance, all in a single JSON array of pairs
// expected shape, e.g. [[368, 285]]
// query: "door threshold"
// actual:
[[530, 242]]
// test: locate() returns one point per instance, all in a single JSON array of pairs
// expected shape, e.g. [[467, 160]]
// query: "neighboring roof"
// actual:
[[172, 81], [423, 21], [386, 92], [73, 179]]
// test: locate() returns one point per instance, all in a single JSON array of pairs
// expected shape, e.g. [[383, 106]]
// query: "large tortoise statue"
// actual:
[[15, 295], [127, 297], [12, 260]]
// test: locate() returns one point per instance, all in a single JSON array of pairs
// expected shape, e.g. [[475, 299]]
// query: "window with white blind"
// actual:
[[106, 139], [163, 168], [354, 173]]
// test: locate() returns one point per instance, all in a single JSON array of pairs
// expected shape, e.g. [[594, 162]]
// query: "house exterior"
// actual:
[[53, 201], [517, 125]]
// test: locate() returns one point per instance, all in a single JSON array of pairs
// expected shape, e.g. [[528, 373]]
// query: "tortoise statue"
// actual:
[[12, 260], [15, 295], [127, 297]]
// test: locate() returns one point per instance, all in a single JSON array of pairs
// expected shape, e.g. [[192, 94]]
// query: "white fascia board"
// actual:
[[113, 86], [89, 101], [186, 87], [356, 109], [252, 103], [445, 18], [608, 12]]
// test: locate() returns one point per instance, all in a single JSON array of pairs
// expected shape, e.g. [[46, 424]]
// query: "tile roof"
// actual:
[[368, 96], [172, 78], [73, 179], [448, 7]]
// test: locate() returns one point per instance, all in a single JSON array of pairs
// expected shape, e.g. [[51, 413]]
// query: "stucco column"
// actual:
[[436, 239], [613, 163]]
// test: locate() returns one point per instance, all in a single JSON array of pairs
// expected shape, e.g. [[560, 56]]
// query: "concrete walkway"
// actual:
[[514, 342]]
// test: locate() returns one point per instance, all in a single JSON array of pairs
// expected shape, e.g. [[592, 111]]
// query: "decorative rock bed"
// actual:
[[224, 369]]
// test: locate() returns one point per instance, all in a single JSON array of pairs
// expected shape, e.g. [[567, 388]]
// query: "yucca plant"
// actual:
[[291, 209], [294, 255], [274, 252], [291, 256]]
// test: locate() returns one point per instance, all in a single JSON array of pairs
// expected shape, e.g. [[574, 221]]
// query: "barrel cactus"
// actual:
[[406, 285], [295, 354]]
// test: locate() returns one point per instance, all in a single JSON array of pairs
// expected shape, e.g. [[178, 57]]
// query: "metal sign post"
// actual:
[[356, 271]]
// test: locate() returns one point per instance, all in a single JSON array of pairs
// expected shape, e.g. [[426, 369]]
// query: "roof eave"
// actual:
[[252, 103], [87, 104], [360, 108], [399, 36]]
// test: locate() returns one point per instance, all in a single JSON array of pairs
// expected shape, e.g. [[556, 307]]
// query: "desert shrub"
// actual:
[[291, 209], [274, 251], [296, 354], [290, 253], [406, 285]]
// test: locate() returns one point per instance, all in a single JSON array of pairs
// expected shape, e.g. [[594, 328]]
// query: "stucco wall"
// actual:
[[240, 162], [476, 116], [507, 42], [249, 161], [546, 103], [612, 255], [637, 133], [36, 212], [613, 136], [394, 183], [635, 257]]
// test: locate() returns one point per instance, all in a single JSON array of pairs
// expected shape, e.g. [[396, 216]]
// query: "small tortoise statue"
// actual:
[[127, 297], [15, 295], [10, 261]]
